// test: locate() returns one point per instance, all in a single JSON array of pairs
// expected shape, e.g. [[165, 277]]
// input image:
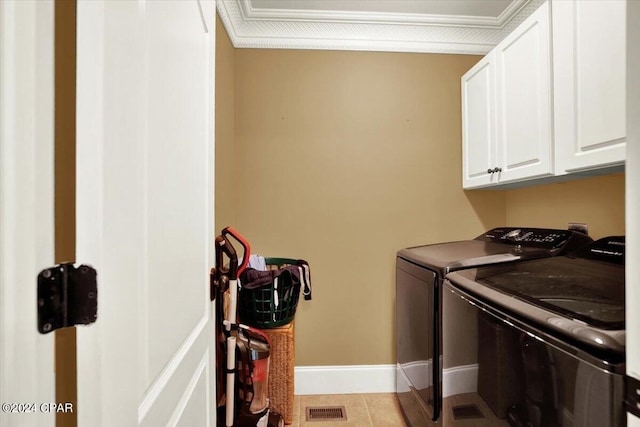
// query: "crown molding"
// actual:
[[251, 13], [250, 27]]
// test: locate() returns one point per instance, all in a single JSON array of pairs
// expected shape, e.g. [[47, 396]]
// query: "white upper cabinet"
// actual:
[[589, 57], [479, 123], [550, 99], [506, 109]]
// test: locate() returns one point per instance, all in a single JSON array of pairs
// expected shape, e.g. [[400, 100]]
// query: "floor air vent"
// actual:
[[464, 412], [326, 413]]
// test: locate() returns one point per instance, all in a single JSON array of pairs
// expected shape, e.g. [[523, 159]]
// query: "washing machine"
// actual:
[[537, 343]]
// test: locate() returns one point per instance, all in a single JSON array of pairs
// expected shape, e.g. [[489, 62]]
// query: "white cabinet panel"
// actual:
[[524, 100], [590, 78], [478, 122]]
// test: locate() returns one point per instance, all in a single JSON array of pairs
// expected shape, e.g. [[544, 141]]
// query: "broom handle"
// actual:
[[233, 302]]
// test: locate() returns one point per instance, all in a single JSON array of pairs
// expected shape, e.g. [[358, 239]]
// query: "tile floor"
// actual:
[[362, 410]]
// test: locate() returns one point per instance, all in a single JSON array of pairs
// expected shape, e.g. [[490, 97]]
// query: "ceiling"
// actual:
[[490, 8], [439, 26]]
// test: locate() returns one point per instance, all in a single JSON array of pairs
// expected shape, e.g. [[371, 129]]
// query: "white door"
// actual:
[[26, 209], [145, 94]]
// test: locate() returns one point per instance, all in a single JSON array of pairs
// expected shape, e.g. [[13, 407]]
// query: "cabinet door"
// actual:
[[524, 100], [478, 124], [589, 54]]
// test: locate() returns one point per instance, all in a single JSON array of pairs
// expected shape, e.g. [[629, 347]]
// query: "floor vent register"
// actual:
[[326, 413]]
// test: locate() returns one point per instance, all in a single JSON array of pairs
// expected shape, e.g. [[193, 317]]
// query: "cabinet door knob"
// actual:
[[497, 169], [489, 171]]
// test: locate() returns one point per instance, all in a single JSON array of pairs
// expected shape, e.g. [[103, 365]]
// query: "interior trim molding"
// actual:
[[249, 12], [345, 379], [351, 379], [250, 27]]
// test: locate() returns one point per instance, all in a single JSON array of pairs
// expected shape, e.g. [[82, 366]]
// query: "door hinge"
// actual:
[[632, 395], [67, 296]]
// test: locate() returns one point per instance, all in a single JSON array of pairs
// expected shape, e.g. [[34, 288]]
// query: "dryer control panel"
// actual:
[[546, 238]]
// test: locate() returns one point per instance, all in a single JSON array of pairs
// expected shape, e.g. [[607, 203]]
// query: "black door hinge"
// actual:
[[67, 296], [632, 395]]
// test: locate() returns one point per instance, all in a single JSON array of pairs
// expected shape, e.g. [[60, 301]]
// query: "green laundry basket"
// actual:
[[257, 307]]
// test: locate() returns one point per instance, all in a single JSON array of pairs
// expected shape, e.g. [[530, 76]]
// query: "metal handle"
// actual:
[[494, 170], [228, 231], [224, 247]]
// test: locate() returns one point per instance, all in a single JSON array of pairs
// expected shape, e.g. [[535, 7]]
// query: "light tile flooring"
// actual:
[[377, 410]]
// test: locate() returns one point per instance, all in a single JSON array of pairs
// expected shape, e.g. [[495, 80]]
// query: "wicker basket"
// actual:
[[281, 374]]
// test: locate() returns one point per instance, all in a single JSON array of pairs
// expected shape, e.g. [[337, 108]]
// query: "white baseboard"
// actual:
[[345, 379], [373, 379]]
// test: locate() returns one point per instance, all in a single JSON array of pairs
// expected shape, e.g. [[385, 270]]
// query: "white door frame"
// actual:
[[26, 207], [632, 201]]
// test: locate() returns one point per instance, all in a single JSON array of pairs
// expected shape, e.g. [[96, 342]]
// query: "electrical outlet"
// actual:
[[580, 228]]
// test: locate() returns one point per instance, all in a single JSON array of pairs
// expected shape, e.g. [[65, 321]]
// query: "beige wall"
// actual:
[[598, 202], [65, 193], [342, 158], [225, 130]]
